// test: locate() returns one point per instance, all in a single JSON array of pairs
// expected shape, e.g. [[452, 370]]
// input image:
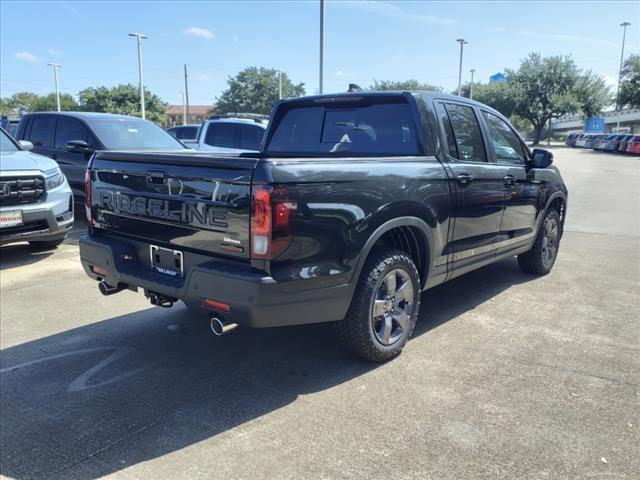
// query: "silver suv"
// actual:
[[36, 204]]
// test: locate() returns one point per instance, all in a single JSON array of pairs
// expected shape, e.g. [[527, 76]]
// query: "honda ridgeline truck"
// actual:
[[355, 204]]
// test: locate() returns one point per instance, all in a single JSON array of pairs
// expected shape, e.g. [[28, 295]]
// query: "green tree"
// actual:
[[498, 95], [544, 88], [22, 102], [48, 103], [408, 85], [123, 99], [630, 82], [5, 109], [592, 93], [255, 90]]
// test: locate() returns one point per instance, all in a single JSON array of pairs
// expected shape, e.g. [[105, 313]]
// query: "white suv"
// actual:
[[233, 133], [36, 204]]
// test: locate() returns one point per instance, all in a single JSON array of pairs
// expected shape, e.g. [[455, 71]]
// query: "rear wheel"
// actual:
[[384, 309], [542, 256]]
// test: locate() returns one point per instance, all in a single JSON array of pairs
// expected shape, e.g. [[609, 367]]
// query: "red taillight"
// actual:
[[87, 196], [223, 307], [271, 215]]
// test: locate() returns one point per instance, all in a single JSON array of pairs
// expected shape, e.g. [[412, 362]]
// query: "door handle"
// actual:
[[464, 179], [509, 180]]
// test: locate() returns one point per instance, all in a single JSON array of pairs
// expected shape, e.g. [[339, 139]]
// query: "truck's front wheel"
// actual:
[[384, 309]]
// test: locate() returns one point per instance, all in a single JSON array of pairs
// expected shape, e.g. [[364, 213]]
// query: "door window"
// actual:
[[466, 131], [70, 129], [41, 130], [222, 135], [448, 130], [250, 137], [506, 144]]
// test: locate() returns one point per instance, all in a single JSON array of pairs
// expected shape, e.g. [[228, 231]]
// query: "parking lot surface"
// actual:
[[507, 376]]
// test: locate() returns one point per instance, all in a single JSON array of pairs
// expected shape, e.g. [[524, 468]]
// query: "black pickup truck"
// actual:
[[356, 203]]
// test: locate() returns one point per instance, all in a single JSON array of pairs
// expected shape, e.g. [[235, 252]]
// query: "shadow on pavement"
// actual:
[[99, 398]]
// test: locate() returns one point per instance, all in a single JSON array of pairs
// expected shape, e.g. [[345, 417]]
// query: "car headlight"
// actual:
[[54, 180]]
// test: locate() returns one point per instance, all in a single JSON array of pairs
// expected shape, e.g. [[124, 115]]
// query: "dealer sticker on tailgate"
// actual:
[[10, 218]]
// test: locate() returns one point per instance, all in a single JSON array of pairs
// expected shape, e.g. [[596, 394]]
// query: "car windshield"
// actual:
[[6, 145], [133, 134]]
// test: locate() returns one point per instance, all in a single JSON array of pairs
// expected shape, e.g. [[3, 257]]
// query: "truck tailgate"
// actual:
[[188, 202]]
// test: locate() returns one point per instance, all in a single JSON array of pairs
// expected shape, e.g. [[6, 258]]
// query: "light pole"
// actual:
[[56, 66], [624, 26], [462, 42], [473, 70], [184, 110], [139, 36], [279, 84], [321, 44]]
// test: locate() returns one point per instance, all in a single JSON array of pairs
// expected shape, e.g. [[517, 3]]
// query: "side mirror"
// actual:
[[78, 146], [541, 158], [26, 145]]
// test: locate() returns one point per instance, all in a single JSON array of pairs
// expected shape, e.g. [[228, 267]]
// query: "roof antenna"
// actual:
[[353, 87]]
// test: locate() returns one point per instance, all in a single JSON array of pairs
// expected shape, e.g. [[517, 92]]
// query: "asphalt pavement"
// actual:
[[508, 375]]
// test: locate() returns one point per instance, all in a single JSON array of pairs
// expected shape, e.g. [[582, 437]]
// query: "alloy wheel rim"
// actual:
[[549, 242], [392, 307]]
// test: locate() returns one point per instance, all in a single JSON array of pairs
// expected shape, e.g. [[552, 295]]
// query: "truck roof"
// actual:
[[87, 115], [429, 94]]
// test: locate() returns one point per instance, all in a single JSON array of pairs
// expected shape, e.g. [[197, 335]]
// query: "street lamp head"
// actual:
[[52, 64], [473, 70], [137, 34], [625, 24], [461, 40]]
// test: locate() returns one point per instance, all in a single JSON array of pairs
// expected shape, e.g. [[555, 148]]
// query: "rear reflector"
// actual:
[[99, 271], [87, 196], [223, 307]]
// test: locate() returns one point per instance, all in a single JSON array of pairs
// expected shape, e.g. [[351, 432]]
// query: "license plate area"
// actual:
[[167, 261], [10, 218]]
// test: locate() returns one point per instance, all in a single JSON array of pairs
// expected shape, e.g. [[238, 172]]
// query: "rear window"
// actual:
[[385, 128], [222, 135]]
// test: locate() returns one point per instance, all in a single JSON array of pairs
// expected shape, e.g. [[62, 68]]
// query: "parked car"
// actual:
[[581, 140], [185, 132], [233, 133], [70, 138], [634, 145], [356, 204], [604, 141], [592, 140], [10, 123], [570, 141], [622, 147], [36, 204]]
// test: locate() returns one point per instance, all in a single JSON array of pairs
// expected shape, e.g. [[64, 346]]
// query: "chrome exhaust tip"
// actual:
[[106, 289], [219, 327]]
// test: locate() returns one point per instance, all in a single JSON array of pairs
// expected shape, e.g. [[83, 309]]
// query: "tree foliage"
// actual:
[[48, 103], [21, 102], [408, 85], [630, 82], [123, 99], [255, 90], [593, 93]]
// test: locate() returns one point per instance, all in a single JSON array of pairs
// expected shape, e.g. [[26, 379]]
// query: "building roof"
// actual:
[[193, 109]]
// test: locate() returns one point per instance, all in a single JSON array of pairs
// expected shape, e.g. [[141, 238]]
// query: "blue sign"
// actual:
[[498, 77], [594, 125]]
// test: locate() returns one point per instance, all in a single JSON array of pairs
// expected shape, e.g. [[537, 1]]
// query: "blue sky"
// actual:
[[382, 40]]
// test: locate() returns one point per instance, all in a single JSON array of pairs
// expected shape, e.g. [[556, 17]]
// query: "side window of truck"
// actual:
[[452, 148], [40, 133], [250, 137], [70, 129], [466, 132], [506, 143]]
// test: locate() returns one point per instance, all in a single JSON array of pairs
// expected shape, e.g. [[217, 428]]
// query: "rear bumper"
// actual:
[[255, 300]]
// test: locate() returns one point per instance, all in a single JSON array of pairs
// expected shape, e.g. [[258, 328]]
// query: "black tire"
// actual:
[[539, 260], [357, 332], [46, 245]]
